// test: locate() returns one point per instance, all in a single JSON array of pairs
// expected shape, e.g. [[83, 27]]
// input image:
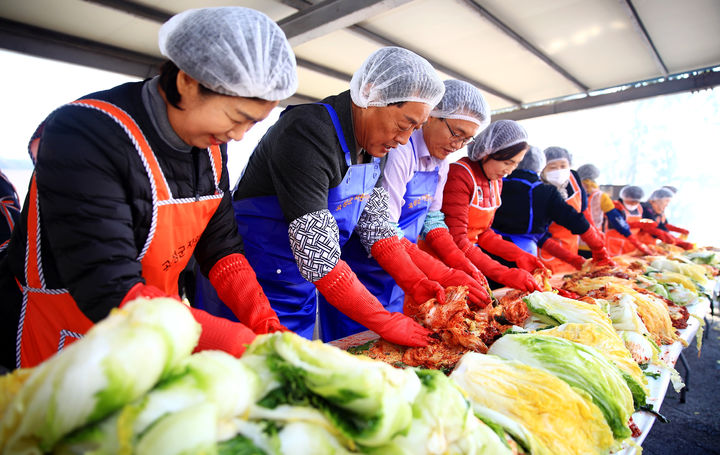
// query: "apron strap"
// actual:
[[532, 186]]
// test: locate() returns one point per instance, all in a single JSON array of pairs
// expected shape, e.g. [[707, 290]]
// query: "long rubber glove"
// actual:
[[684, 245], [447, 250], [659, 233], [437, 271], [391, 255], [237, 286], [495, 244], [345, 292], [556, 248], [514, 278], [597, 245], [639, 245], [217, 333], [679, 230]]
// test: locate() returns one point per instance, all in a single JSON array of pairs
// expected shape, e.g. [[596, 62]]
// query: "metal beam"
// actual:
[[640, 27], [331, 15], [298, 99], [526, 44], [323, 69], [698, 80], [438, 66], [135, 9], [40, 42]]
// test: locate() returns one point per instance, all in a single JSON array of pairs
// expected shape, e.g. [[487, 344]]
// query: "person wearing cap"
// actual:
[[600, 208], [472, 195], [531, 205], [315, 178], [413, 178], [557, 172], [132, 181], [654, 209]]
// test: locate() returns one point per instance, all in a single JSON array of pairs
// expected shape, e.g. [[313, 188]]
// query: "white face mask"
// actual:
[[632, 207], [558, 177]]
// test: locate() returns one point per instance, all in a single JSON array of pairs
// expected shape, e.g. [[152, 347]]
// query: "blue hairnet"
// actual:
[[557, 153], [394, 75], [231, 50], [463, 101]]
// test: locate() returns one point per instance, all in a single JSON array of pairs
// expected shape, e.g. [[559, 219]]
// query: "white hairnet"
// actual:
[[231, 50], [632, 193], [662, 193], [534, 160], [463, 101], [498, 136], [671, 188], [394, 75], [588, 171], [557, 153]]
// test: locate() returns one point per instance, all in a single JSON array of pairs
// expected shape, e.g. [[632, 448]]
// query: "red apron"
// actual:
[[615, 242], [567, 239], [50, 318]]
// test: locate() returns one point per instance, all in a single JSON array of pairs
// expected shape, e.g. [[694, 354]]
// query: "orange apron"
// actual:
[[50, 318], [481, 211], [615, 242], [567, 239]]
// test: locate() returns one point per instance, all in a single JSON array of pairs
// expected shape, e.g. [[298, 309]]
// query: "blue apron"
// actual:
[[526, 241], [264, 230], [419, 194]]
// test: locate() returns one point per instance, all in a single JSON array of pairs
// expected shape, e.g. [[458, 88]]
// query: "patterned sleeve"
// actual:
[[374, 223], [315, 243], [434, 219]]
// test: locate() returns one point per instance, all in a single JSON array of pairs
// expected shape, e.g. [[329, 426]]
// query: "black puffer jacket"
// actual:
[[96, 204]]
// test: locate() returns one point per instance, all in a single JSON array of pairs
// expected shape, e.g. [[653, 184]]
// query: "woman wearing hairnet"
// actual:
[[472, 195], [557, 173], [628, 206], [601, 207], [132, 181], [315, 177], [414, 177], [654, 209], [530, 205]]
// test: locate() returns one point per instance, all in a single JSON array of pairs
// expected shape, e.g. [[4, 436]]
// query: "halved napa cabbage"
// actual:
[[368, 401], [556, 310], [580, 366], [610, 346], [118, 360], [537, 408]]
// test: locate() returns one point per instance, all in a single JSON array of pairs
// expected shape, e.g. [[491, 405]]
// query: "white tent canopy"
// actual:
[[529, 57]]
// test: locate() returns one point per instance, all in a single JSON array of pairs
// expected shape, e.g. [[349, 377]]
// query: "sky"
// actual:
[[672, 139]]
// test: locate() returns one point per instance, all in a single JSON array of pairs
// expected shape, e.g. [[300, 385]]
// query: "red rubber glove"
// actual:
[[679, 230], [495, 244], [556, 248], [217, 333], [236, 285], [684, 245], [391, 255], [514, 278], [639, 245], [437, 271], [597, 245], [345, 292], [445, 247], [222, 334], [144, 290]]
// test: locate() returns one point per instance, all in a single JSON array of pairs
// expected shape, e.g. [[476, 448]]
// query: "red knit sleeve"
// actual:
[[456, 200]]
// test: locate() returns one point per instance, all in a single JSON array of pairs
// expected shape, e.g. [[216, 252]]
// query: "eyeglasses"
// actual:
[[456, 137]]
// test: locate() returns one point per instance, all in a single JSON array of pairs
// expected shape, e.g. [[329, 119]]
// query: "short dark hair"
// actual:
[[508, 152], [168, 83]]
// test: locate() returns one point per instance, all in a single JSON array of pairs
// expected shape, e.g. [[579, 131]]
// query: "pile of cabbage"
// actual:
[[133, 386]]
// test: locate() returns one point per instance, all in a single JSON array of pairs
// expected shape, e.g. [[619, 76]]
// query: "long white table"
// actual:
[[659, 386]]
